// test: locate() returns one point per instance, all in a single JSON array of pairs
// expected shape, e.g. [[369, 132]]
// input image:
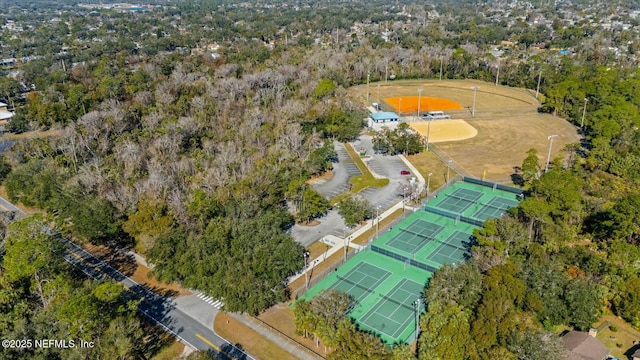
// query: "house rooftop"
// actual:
[[584, 347], [5, 115], [385, 115]]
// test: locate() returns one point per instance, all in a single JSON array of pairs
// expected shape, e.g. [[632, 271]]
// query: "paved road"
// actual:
[[161, 310]]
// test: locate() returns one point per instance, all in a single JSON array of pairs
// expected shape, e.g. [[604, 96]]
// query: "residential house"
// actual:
[[583, 346]]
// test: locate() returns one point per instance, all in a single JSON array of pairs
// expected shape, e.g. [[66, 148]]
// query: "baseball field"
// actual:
[[505, 119]]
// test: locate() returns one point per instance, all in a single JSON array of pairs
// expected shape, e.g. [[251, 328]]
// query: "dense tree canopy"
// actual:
[[42, 298]]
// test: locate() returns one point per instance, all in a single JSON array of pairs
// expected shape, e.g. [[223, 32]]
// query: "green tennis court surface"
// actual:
[[415, 235], [384, 291], [472, 203], [360, 281], [496, 207], [388, 277], [395, 312]]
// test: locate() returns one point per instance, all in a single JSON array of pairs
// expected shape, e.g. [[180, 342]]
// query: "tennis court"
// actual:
[[383, 294], [496, 207], [395, 312], [452, 250], [386, 279], [474, 203], [360, 281], [459, 200], [414, 236]]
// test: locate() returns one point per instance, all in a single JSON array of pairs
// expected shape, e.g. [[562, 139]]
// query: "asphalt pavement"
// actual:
[[383, 166]]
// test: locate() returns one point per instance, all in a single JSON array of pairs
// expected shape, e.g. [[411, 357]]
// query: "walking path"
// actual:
[[282, 341]]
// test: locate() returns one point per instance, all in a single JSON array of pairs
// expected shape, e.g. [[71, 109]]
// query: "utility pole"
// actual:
[[386, 71], [377, 221], [473, 109], [538, 88], [417, 312], [368, 75], [306, 274], [550, 138], [584, 112], [419, 96]]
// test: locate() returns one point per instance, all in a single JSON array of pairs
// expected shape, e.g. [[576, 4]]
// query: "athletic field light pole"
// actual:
[[550, 138], [368, 75], [404, 198], [473, 109], [498, 73], [399, 107], [448, 168], [344, 238], [306, 274], [428, 130], [584, 112], [377, 220], [428, 183], [419, 95], [538, 88], [417, 316]]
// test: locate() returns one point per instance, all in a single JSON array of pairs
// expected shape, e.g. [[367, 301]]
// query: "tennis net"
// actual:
[[397, 302]]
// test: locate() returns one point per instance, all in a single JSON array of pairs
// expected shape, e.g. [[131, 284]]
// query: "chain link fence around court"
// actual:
[[287, 338], [316, 276]]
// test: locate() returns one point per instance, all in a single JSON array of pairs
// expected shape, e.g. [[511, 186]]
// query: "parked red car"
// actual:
[[405, 172]]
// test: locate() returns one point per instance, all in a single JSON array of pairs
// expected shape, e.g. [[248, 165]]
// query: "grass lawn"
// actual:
[[141, 274], [281, 318], [170, 352], [247, 339], [316, 249], [428, 163], [619, 342]]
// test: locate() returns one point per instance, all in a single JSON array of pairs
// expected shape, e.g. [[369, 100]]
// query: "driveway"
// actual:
[[342, 171]]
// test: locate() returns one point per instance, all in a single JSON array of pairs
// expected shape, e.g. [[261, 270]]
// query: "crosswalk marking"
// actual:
[[210, 300]]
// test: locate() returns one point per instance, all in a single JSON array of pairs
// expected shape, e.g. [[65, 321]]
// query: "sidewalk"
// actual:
[[290, 346], [414, 171]]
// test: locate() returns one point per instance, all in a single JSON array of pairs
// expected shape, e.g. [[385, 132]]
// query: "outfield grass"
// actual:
[[502, 144], [506, 118]]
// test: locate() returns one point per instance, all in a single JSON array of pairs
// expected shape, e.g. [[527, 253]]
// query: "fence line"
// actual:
[[444, 157], [315, 278], [287, 337]]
